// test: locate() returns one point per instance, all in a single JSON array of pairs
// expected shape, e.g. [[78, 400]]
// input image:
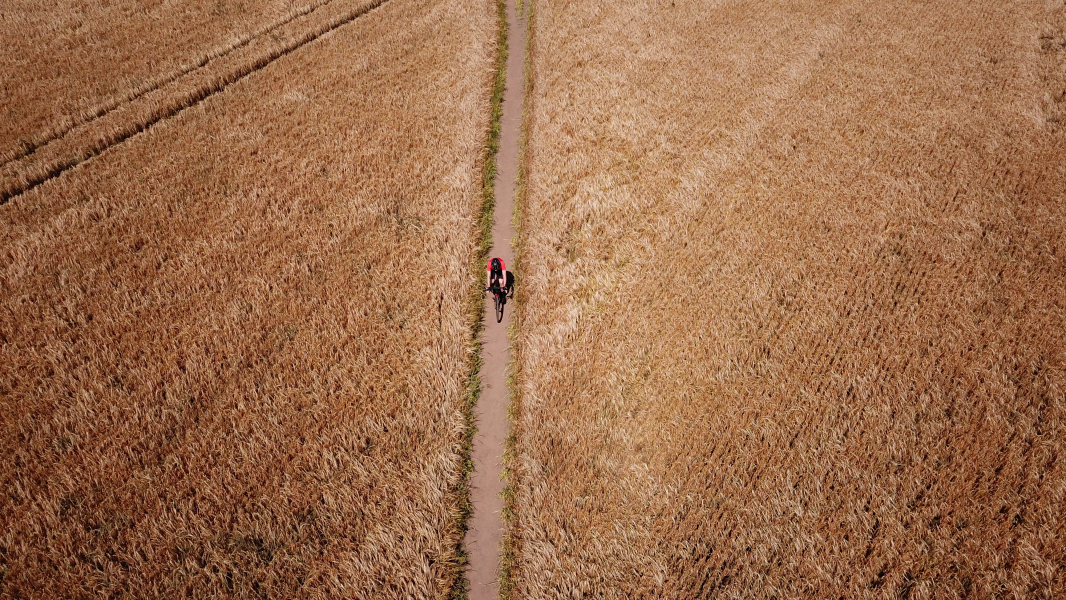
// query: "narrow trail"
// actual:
[[486, 484]]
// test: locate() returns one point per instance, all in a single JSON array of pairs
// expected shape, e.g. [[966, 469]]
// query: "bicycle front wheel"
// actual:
[[499, 307]]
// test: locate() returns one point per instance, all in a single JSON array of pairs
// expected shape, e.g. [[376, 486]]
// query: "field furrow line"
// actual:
[[87, 144], [102, 110]]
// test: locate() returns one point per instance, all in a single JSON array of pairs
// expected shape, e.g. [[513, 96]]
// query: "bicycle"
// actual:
[[499, 298]]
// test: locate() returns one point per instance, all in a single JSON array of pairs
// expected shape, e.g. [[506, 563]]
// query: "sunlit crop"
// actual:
[[235, 346], [792, 301]]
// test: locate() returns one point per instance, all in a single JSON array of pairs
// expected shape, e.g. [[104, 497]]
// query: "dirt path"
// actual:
[[486, 527]]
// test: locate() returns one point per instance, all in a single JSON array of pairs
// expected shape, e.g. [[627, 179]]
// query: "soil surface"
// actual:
[[486, 484]]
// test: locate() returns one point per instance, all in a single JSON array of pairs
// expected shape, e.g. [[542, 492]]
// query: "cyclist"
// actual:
[[498, 276]]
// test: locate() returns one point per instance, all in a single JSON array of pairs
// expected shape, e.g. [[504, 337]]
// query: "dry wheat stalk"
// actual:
[[793, 294], [234, 348]]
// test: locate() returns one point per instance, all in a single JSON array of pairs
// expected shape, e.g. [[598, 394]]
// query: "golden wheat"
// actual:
[[234, 348], [793, 293], [93, 132], [67, 63]]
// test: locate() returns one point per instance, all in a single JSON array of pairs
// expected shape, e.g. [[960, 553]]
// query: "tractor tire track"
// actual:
[[19, 178], [106, 108]]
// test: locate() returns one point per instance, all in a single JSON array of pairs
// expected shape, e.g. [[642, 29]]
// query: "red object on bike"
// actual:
[[488, 267]]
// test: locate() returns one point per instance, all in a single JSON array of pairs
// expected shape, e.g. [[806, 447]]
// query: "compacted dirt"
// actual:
[[486, 527]]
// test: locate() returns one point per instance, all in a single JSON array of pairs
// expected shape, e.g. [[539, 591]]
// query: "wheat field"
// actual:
[[792, 292], [235, 345], [80, 136], [65, 62]]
